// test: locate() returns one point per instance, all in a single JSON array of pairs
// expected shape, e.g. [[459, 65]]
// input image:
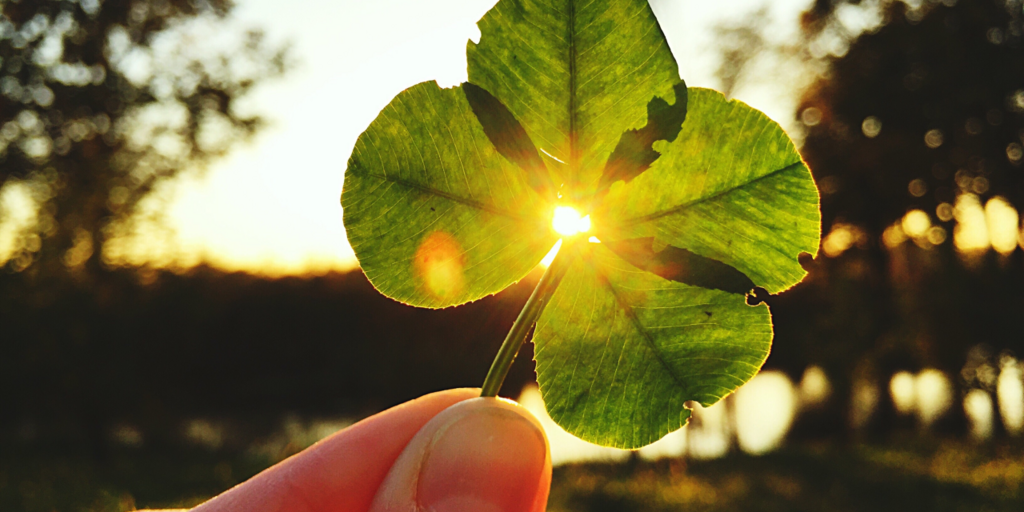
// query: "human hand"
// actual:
[[447, 451]]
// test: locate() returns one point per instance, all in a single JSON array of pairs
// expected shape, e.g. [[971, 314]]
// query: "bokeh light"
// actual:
[[1010, 393], [916, 223], [842, 237], [764, 409], [863, 403], [814, 387], [1003, 228], [979, 409], [901, 388], [971, 232], [933, 392]]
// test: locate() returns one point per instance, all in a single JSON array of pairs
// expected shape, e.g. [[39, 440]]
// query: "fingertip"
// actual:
[[483, 454], [343, 471]]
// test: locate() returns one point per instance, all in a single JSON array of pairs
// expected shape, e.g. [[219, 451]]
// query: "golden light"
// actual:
[[916, 223], [439, 263], [980, 413], [814, 387], [568, 222], [551, 254], [838, 240], [1010, 392], [933, 395], [971, 232], [764, 409], [901, 388], [1002, 219]]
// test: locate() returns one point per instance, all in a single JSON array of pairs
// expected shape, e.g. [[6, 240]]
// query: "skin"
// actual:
[[449, 451]]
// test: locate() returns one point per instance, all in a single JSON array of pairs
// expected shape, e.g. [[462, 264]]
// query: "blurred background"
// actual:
[[179, 308]]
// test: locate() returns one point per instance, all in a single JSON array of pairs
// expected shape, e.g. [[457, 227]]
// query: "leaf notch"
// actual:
[[635, 151]]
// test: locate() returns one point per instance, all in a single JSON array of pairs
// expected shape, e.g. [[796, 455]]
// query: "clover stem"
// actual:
[[528, 317]]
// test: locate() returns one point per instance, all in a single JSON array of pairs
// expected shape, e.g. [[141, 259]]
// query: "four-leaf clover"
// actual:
[[692, 201]]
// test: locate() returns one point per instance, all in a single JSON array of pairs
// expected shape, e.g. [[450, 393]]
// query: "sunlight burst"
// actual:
[[568, 222]]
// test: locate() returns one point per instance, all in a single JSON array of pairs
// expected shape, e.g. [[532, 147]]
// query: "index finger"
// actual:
[[342, 472]]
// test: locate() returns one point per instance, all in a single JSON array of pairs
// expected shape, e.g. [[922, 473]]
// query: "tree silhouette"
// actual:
[[915, 112], [102, 102], [925, 109]]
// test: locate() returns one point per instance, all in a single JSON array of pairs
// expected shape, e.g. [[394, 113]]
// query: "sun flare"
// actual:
[[568, 222]]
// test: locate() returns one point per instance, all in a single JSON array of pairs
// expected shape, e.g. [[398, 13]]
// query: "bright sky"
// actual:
[[273, 205]]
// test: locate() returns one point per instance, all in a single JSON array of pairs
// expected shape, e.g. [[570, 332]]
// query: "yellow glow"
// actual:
[[1002, 219], [814, 387], [18, 214], [764, 409], [841, 238], [551, 255], [979, 408], [901, 387], [568, 222], [971, 231], [916, 223], [439, 263], [933, 395], [1010, 392]]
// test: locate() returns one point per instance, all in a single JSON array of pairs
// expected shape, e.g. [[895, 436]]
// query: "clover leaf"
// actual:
[[689, 202]]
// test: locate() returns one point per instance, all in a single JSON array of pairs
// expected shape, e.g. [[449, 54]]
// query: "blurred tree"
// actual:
[[929, 107], [102, 102], [739, 42], [914, 124]]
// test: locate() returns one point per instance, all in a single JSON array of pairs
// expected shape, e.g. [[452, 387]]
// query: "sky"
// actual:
[[272, 205]]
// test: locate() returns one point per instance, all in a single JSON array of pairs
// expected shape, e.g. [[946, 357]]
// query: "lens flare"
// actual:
[[439, 263]]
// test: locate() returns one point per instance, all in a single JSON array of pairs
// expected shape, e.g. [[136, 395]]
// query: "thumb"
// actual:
[[481, 455]]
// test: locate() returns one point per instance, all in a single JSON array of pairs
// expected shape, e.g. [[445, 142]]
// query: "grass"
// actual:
[[913, 474], [916, 476]]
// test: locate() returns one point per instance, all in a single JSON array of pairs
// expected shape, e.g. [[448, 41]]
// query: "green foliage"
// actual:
[[576, 75], [619, 350], [731, 187], [695, 201], [105, 102], [435, 214]]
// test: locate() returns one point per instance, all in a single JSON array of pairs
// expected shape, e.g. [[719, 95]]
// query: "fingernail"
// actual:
[[489, 461]]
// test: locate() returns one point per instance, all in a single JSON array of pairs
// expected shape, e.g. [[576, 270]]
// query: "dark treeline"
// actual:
[[924, 112], [214, 344], [208, 343]]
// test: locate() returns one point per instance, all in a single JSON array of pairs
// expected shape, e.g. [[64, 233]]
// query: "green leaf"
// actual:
[[635, 152], [682, 266], [695, 201], [576, 74], [619, 350], [436, 216], [656, 315], [509, 138], [731, 187]]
